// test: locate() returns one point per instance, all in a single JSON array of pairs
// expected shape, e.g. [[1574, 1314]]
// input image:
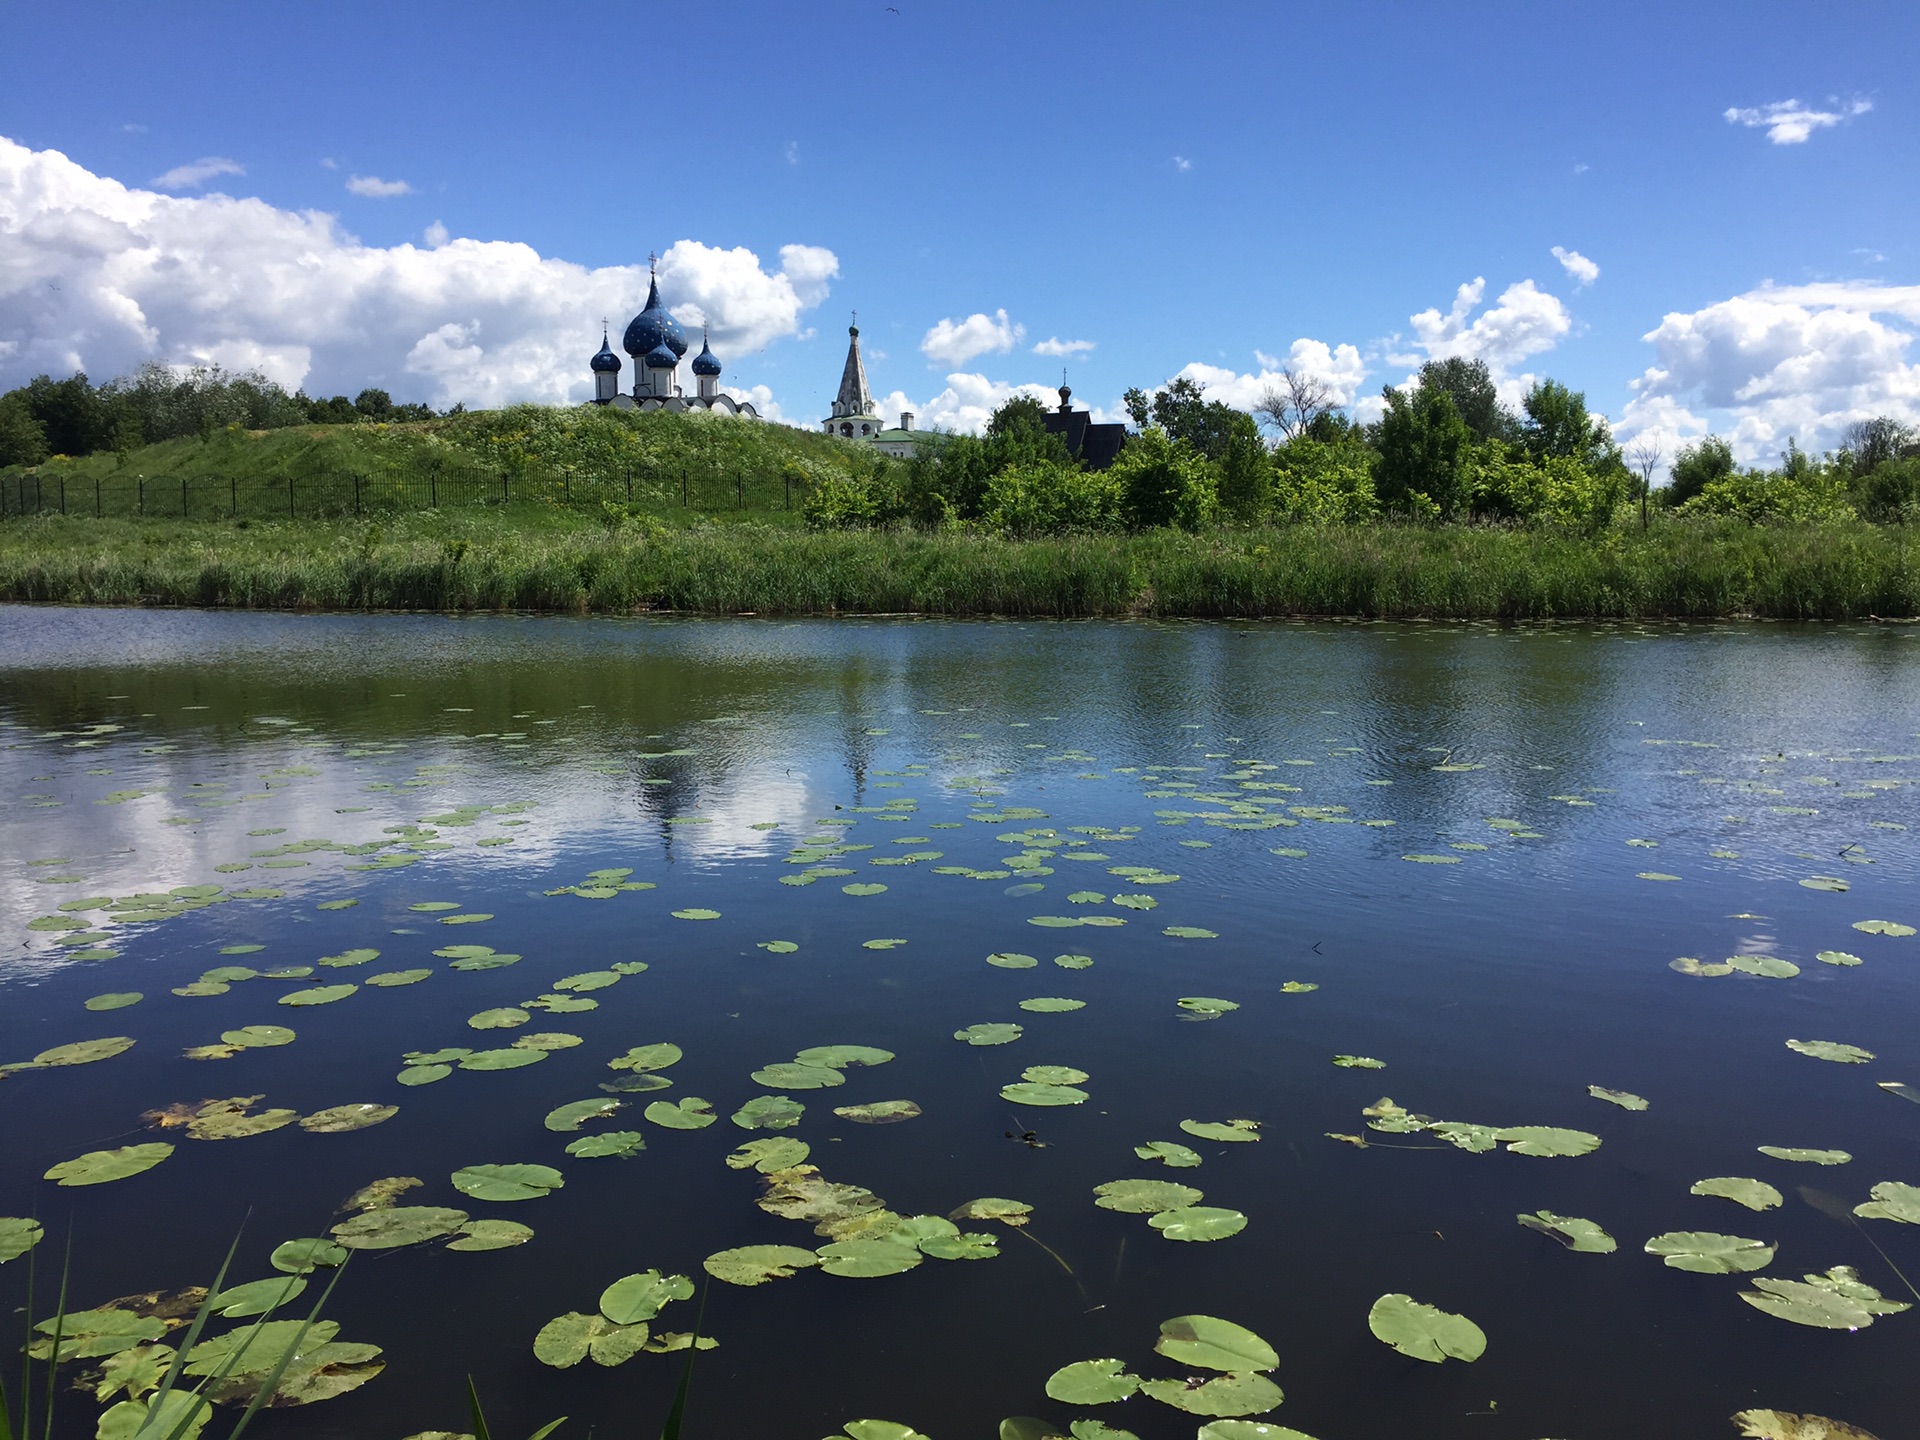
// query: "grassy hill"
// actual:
[[696, 462]]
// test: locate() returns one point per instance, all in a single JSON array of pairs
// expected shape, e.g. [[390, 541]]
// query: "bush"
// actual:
[[1046, 498], [1891, 493], [1317, 482], [1164, 482], [1793, 495]]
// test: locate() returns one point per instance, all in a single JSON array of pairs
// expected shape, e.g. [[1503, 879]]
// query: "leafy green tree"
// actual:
[[1246, 471], [1892, 492], [1871, 443], [1017, 434], [1426, 454], [71, 413], [1325, 481], [1697, 466], [373, 405], [1470, 385], [1164, 482], [336, 411], [1558, 424], [23, 441], [1045, 498], [1181, 408], [1802, 491]]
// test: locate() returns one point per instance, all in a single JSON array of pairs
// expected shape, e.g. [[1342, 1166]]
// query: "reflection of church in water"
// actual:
[[657, 343]]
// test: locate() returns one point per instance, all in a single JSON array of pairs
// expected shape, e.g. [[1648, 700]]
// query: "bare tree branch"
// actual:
[[1295, 403]]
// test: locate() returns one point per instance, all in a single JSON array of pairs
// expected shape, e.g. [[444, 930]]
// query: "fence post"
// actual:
[[96, 497], [629, 487], [433, 487], [183, 497], [233, 497], [740, 491], [683, 489], [789, 481], [356, 494], [566, 485], [504, 497], [290, 514], [141, 501], [63, 494]]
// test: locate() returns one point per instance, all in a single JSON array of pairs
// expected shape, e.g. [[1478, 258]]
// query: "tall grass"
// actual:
[[550, 559]]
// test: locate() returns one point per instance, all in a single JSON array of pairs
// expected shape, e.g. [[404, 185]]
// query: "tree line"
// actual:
[[1444, 450], [73, 417]]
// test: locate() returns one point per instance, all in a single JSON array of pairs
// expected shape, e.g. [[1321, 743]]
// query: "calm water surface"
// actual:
[[1281, 771]]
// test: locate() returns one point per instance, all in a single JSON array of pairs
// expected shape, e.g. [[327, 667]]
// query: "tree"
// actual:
[[1470, 384], [1164, 482], [23, 441], [71, 413], [1645, 455], [1557, 423], [1697, 466], [1246, 471], [1293, 405], [1182, 410], [1426, 453], [373, 404], [1871, 443]]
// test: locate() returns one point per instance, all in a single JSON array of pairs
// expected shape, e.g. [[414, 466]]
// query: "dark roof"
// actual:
[[606, 360], [1095, 446], [705, 363], [661, 357], [654, 327]]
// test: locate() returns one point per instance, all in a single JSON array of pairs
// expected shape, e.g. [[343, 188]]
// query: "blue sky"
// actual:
[[1199, 186]]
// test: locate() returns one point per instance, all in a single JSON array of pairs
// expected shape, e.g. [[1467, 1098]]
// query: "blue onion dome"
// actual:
[[704, 363], [654, 327], [606, 362], [661, 357]]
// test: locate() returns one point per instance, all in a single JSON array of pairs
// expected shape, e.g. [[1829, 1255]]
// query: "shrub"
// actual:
[[1045, 498], [1316, 482], [1164, 482]]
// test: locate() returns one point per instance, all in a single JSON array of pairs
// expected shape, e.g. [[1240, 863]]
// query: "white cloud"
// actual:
[[1803, 360], [436, 235], [792, 151], [1063, 349], [327, 162], [956, 342], [1525, 321], [1182, 164], [1339, 368], [1788, 122], [100, 276], [193, 175], [134, 127], [374, 188], [965, 405], [1583, 270]]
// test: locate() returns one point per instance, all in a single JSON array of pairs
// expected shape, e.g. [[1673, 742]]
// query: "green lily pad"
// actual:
[[798, 1077], [1092, 1382], [1214, 1344], [1239, 1429], [1580, 1235], [1359, 1062], [1706, 1253], [993, 1207], [394, 1226], [97, 1167], [507, 1182], [1805, 1157], [757, 1264], [866, 887], [1838, 957], [886, 943], [1030, 1093], [1754, 1194], [491, 1235], [17, 1236], [348, 958], [1052, 1005], [769, 1112], [1882, 927], [1424, 1331], [1198, 1222], [633, 1299], [1190, 932], [1055, 922], [648, 1057], [510, 1057], [568, 1339], [576, 1113], [339, 1119], [778, 947], [1206, 1006], [841, 1057], [318, 995], [506, 1017], [1687, 965], [1837, 1300], [85, 1052], [423, 1074], [1073, 962], [1235, 1131], [389, 979], [1832, 1050], [1174, 1156], [1546, 1140], [1767, 967], [782, 1152], [302, 1257], [1224, 1395], [867, 1259], [257, 1297], [994, 1033], [1299, 987], [1145, 1197], [612, 1143], [879, 1112], [690, 1112], [1625, 1099], [464, 919], [1426, 859], [119, 1000], [1011, 960], [1891, 1201]]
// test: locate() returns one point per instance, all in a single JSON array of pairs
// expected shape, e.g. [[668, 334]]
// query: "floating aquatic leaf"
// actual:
[[1475, 1139], [1837, 1300], [302, 1257], [1029, 1093], [1073, 962], [648, 1057], [381, 1193], [1625, 1099], [575, 1113], [971, 1246], [1546, 1140], [690, 1112], [568, 1339], [1224, 1395], [1767, 967], [616, 1143], [1754, 1194], [757, 1264], [117, 1001], [1231, 1130], [1895, 1087], [1243, 1429], [503, 1018], [1687, 965], [391, 978], [995, 1033], [863, 888], [1832, 1050], [778, 947], [1135, 902], [879, 1112], [589, 980], [511, 1057], [769, 1112], [1055, 922], [1580, 1235], [463, 919], [1145, 1197], [798, 1077], [883, 944], [1012, 960], [394, 1226], [318, 995], [1214, 1344], [1359, 1062], [1008, 1212], [1826, 882], [696, 914], [17, 1236], [633, 1299], [1190, 932], [1198, 1222], [1174, 1156], [1206, 1006], [256, 1297], [1706, 1253], [840, 1057], [1783, 1425], [1054, 1075], [1883, 927], [1891, 1201], [491, 1235], [84, 1052], [1091, 1382], [546, 1040], [1298, 987], [423, 1074], [1422, 859], [1424, 1331], [867, 1259], [1808, 1157], [636, 1084], [339, 1119], [767, 1156], [1837, 957], [507, 1182], [199, 989], [348, 958]]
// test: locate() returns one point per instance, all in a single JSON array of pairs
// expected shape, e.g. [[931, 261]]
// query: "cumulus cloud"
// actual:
[[99, 276], [374, 188], [1583, 271], [965, 405], [1788, 122], [196, 173], [1525, 321], [1063, 349], [956, 342], [1338, 367], [1802, 361], [1182, 164]]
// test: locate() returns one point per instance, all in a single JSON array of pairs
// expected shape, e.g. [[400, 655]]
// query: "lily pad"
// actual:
[[391, 979], [757, 1264], [97, 1167], [1145, 1197], [1706, 1253], [1754, 1194], [1424, 1331], [1030, 1093], [1214, 1344], [491, 1235], [797, 1077], [257, 1297], [767, 1156], [841, 1057], [318, 995], [1359, 1062], [1206, 1006], [1007, 1212], [866, 887], [301, 1257], [85, 1052], [648, 1057], [120, 1000], [633, 1299], [1234, 1131], [504, 1018], [867, 1259], [612, 1143], [1190, 932], [879, 1112], [1546, 1140], [507, 1182], [1224, 1395], [1579, 1235], [339, 1119], [511, 1057], [575, 1113], [1198, 1222], [994, 1033], [1832, 1050], [1838, 957], [778, 947], [1625, 1099], [690, 1112], [1011, 960], [1883, 927], [1052, 1005], [1891, 1201], [17, 1236], [1805, 1157], [1837, 1300], [423, 1074], [568, 1339], [1092, 1382], [1767, 967], [1174, 1156], [393, 1226], [1783, 1425], [769, 1112]]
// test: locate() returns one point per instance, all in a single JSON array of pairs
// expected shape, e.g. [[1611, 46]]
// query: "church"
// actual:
[[854, 417], [657, 344]]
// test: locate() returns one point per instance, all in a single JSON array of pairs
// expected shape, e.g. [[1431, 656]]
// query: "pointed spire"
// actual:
[[854, 397]]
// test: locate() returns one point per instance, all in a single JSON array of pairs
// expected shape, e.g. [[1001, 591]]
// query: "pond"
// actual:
[[1181, 904]]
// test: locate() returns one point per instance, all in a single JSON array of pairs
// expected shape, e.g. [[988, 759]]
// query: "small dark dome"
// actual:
[[704, 363], [661, 357], [654, 327], [606, 362]]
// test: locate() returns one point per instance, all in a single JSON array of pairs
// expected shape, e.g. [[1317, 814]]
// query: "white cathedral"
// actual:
[[656, 342]]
